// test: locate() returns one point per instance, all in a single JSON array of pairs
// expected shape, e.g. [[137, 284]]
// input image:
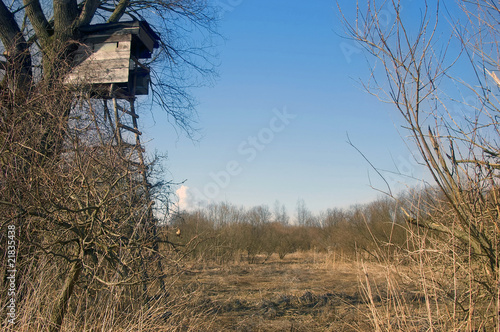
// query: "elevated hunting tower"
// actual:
[[107, 66], [111, 54]]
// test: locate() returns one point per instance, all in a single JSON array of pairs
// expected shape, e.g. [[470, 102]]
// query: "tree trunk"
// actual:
[[61, 304], [16, 49]]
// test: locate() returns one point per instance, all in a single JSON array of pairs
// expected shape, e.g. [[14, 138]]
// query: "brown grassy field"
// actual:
[[302, 292], [305, 291]]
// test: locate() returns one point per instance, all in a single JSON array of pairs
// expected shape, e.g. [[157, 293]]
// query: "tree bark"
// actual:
[[61, 305], [38, 20], [119, 11], [87, 13], [65, 13], [16, 47]]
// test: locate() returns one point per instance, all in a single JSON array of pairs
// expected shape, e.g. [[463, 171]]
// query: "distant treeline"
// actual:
[[225, 232]]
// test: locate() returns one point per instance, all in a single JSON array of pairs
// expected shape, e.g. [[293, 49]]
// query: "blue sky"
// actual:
[[274, 125]]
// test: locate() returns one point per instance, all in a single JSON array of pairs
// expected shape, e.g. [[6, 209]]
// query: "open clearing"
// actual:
[[303, 292]]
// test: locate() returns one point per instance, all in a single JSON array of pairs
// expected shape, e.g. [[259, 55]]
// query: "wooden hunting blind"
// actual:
[[110, 53], [107, 66]]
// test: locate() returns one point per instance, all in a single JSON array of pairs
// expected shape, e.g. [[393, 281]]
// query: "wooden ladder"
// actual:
[[125, 120], [123, 107]]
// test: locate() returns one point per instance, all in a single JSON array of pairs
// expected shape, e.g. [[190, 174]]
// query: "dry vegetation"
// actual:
[[306, 291], [324, 282], [91, 256]]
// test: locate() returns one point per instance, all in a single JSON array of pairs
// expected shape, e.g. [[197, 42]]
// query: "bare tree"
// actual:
[[304, 215], [34, 34], [75, 194], [259, 215], [280, 214], [84, 210], [445, 88]]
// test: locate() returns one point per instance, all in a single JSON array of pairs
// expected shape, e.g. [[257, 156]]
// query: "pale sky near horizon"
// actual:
[[275, 124]]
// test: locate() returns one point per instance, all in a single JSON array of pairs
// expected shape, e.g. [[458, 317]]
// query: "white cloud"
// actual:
[[184, 198], [189, 199]]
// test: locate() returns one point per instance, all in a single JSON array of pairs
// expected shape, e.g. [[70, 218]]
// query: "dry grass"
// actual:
[[306, 291], [303, 292]]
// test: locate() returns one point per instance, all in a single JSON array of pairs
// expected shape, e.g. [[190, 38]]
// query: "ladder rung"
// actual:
[[132, 114], [118, 94], [128, 112], [133, 146], [135, 131]]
